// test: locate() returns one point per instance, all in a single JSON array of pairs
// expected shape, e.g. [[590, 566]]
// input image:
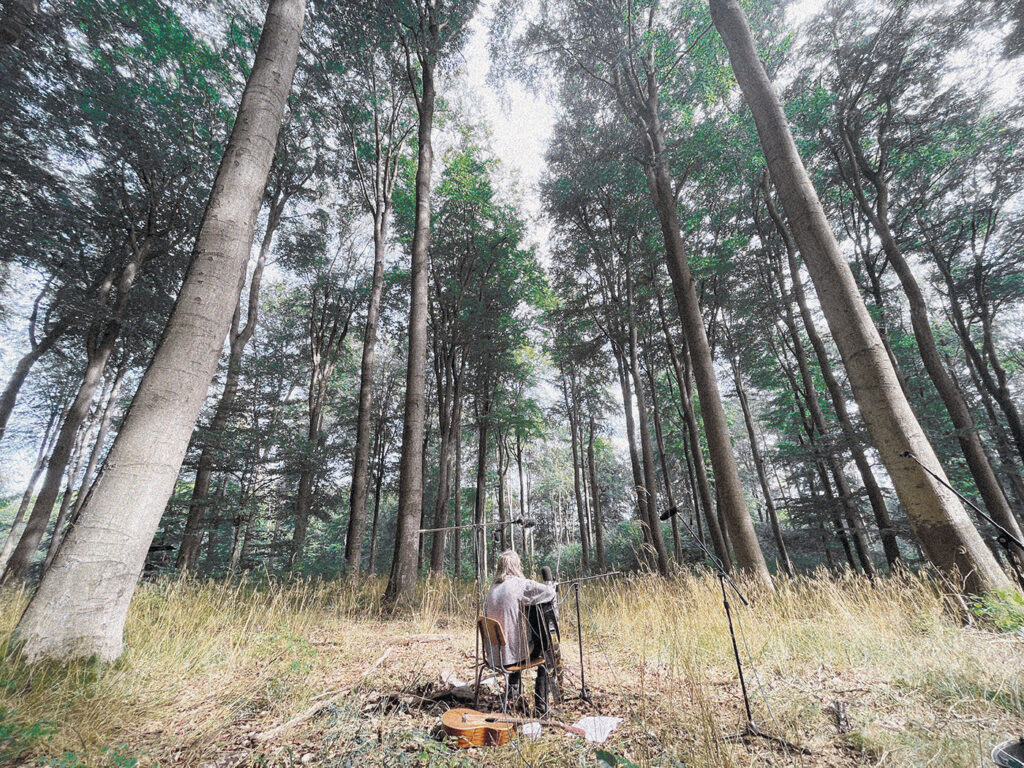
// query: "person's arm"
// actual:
[[535, 593]]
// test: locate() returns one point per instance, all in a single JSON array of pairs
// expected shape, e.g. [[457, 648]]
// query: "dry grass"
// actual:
[[210, 665]]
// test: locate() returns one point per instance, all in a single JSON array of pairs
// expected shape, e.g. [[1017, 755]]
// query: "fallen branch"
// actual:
[[325, 700]]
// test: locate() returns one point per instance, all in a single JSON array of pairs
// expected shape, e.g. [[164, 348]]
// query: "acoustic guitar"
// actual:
[[477, 729]]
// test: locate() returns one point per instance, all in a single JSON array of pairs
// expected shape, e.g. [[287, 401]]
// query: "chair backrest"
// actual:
[[491, 631], [492, 638]]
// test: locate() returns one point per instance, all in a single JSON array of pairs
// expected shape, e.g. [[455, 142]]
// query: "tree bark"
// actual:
[[773, 517], [663, 458], [188, 552], [952, 543], [45, 447], [729, 489], [402, 582], [634, 454], [458, 499], [81, 605], [21, 370], [448, 428], [595, 493], [480, 497], [361, 460], [647, 456], [836, 394], [956, 405], [686, 410], [16, 17], [21, 559], [568, 394]]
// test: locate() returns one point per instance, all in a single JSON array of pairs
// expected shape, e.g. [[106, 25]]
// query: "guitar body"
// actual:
[[476, 729]]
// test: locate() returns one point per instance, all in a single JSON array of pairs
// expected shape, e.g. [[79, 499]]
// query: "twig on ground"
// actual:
[[325, 701]]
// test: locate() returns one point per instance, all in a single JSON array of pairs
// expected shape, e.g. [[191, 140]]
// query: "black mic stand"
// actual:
[[750, 728]]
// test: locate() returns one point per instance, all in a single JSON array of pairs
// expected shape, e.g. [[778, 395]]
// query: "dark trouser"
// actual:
[[540, 690], [535, 622]]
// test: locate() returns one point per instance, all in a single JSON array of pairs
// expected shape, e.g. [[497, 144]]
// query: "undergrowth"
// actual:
[[207, 664]]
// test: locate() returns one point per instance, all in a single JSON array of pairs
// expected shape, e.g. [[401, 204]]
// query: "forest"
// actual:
[[312, 309]]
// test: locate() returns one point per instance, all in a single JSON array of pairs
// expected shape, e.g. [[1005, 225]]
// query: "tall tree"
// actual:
[[945, 531], [80, 606], [432, 30]]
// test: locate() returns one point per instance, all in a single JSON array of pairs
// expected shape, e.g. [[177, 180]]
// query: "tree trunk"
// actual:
[[634, 455], [595, 493], [647, 457], [784, 562], [445, 459], [402, 582], [458, 498], [361, 460], [80, 607], [685, 406], [728, 487], [570, 409], [836, 394], [663, 459], [480, 498], [41, 458], [188, 552], [21, 559], [21, 370], [956, 405], [951, 541], [818, 423], [16, 17], [380, 452]]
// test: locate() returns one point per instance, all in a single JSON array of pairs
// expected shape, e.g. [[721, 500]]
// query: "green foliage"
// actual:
[[1003, 610]]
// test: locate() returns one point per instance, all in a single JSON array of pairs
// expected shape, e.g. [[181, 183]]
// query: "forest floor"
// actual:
[[212, 670]]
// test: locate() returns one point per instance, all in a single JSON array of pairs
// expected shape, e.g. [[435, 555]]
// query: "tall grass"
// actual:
[[205, 661]]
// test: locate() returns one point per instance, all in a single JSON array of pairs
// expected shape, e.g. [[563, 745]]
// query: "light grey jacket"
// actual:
[[505, 603]]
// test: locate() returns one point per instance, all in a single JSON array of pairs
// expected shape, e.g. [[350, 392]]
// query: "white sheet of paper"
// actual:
[[598, 729]]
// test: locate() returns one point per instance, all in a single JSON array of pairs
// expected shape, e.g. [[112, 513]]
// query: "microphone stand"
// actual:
[[574, 585], [750, 728]]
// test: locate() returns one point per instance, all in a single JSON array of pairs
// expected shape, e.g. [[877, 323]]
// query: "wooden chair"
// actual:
[[491, 638]]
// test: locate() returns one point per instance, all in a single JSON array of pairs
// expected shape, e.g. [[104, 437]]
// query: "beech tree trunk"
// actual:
[[685, 406], [729, 489], [836, 394], [188, 552], [361, 459], [663, 458], [402, 582], [458, 499], [595, 493], [9, 397], [647, 457], [956, 405], [949, 538], [15, 18], [81, 605], [634, 455], [570, 409], [755, 450], [45, 447], [21, 559], [480, 497]]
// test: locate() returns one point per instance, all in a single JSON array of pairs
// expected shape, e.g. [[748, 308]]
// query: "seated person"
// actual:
[[507, 598]]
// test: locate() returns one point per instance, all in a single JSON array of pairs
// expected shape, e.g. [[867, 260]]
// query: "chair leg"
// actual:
[[476, 694]]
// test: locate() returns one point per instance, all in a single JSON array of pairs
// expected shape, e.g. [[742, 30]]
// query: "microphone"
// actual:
[[668, 513], [527, 522]]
